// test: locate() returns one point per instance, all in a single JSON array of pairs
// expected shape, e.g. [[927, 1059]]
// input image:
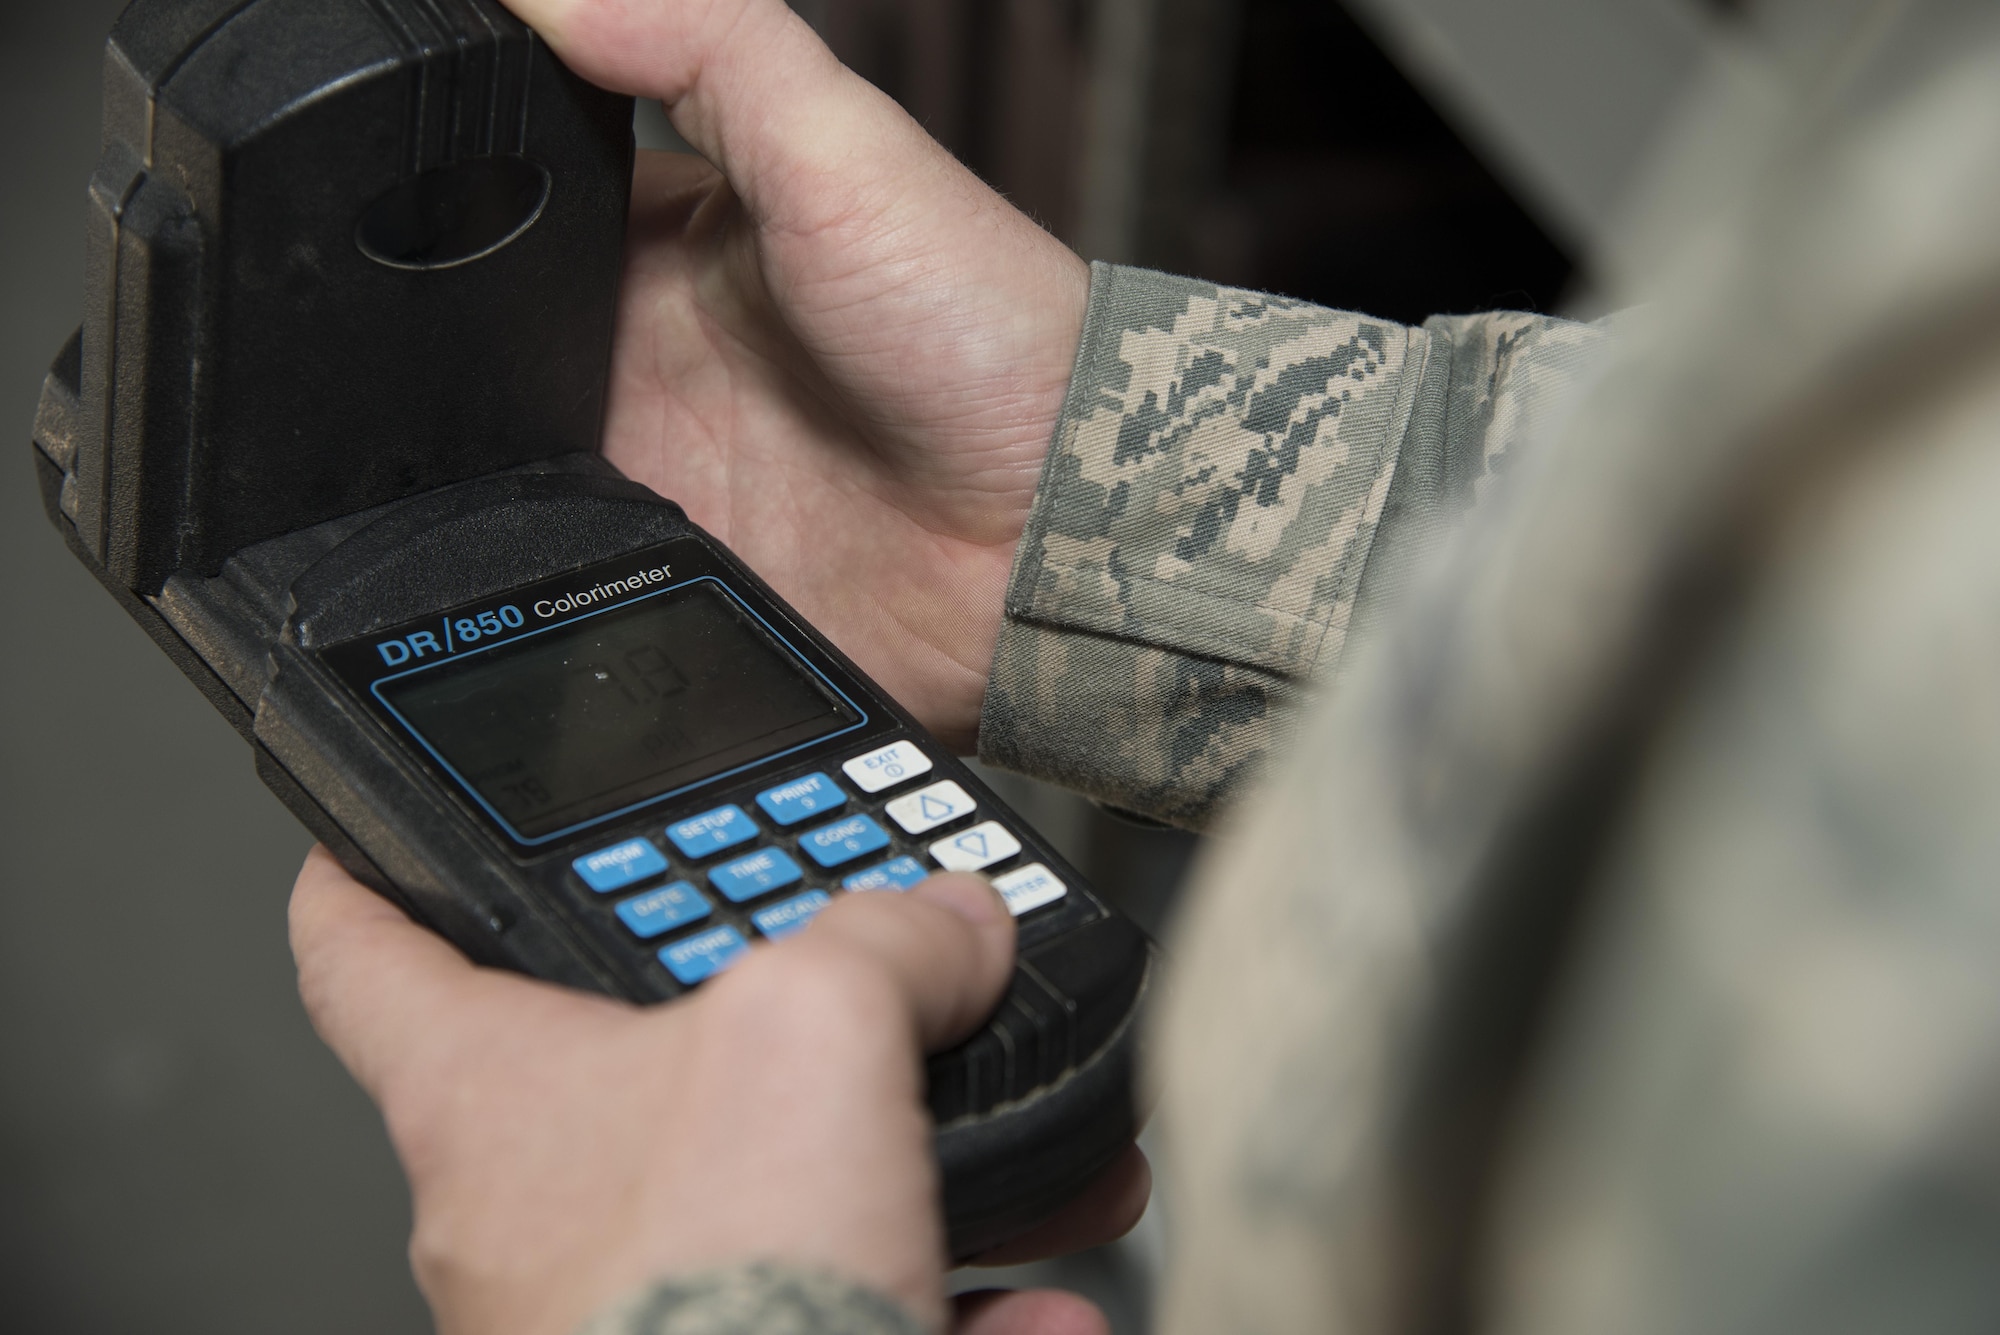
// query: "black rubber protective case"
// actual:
[[353, 266]]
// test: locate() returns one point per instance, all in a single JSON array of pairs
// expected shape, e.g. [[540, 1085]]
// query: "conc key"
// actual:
[[844, 841]]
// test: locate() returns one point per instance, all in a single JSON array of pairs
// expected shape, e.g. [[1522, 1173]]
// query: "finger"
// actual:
[[663, 48], [753, 89], [1106, 1211], [948, 944], [375, 985], [1027, 1312]]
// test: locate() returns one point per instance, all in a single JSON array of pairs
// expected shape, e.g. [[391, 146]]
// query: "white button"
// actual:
[[939, 804], [1029, 888], [981, 846], [888, 767]]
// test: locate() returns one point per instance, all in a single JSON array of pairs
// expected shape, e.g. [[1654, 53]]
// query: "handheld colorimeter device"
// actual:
[[329, 433]]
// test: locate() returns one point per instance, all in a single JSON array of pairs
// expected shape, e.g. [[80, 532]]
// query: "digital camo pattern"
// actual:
[[1217, 471], [1514, 377], [757, 1300], [1754, 582], [1492, 383], [1225, 465], [1149, 730]]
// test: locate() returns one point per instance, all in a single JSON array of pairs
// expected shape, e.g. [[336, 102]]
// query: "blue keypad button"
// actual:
[[897, 874], [790, 915], [620, 865], [704, 954], [756, 874], [801, 799], [658, 912], [844, 841], [712, 831]]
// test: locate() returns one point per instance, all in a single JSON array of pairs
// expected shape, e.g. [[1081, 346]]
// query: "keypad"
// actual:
[[843, 841], [712, 831], [781, 854], [790, 915], [896, 874], [756, 874], [704, 954], [928, 808], [801, 799], [620, 865], [978, 848], [658, 912]]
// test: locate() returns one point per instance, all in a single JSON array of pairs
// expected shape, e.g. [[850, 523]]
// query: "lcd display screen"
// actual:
[[596, 716]]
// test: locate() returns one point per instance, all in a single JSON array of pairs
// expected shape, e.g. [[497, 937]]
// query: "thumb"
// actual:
[[365, 970], [1027, 1312], [387, 995], [948, 946], [747, 82]]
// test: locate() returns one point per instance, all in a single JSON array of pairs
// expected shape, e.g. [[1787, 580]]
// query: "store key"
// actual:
[[704, 954], [369, 515]]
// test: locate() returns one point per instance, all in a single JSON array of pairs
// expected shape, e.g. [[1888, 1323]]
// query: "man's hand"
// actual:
[[838, 349], [563, 1150]]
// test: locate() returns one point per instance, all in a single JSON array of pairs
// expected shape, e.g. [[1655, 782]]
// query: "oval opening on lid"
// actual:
[[455, 214]]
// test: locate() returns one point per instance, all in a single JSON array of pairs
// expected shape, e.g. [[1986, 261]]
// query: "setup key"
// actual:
[[712, 831]]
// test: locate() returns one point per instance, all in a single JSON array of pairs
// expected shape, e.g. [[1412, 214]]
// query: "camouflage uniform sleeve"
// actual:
[[1238, 482], [756, 1300]]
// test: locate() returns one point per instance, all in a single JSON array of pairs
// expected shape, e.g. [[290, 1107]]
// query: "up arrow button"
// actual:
[[928, 808]]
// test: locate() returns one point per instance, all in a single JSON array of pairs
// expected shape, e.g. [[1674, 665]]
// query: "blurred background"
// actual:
[[177, 1153]]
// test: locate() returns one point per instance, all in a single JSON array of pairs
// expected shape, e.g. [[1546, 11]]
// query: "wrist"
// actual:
[[956, 599]]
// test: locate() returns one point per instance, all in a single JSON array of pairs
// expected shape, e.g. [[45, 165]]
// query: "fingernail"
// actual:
[[969, 897]]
